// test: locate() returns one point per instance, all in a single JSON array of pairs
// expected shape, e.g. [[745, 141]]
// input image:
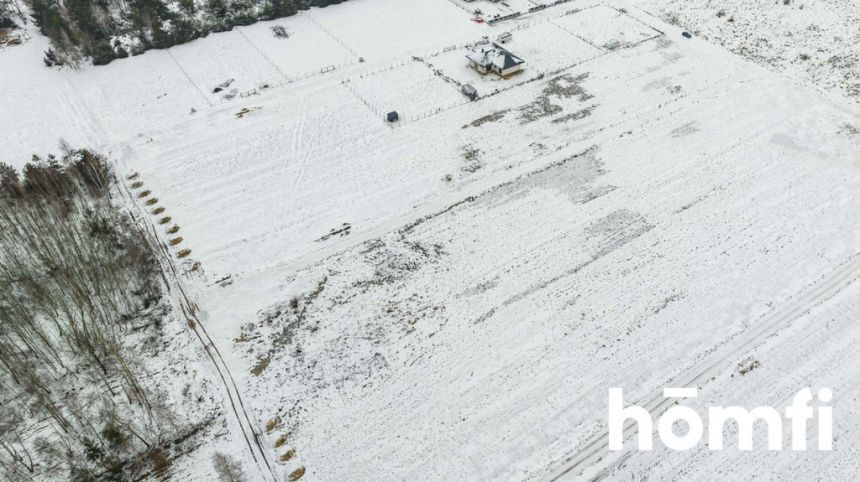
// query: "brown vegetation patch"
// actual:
[[297, 474], [184, 253], [488, 118], [175, 241], [8, 36], [261, 365], [160, 463]]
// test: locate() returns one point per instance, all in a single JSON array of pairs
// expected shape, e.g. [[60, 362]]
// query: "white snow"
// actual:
[[471, 280]]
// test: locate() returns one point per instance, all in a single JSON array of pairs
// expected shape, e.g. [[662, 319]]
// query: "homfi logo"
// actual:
[[798, 414]]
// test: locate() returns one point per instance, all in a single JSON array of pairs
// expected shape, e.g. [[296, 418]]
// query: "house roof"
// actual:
[[495, 56]]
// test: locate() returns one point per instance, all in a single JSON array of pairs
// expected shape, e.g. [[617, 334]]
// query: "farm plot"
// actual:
[[662, 234], [389, 30], [302, 50], [821, 49], [601, 24], [413, 90], [544, 47], [812, 353], [241, 187], [409, 339], [232, 65], [136, 93], [491, 10], [34, 109]]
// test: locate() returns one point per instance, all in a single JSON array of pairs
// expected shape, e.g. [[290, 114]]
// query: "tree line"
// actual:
[[93, 29], [81, 294], [9, 10]]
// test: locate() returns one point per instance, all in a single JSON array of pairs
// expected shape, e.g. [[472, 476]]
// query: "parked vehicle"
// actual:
[[469, 91]]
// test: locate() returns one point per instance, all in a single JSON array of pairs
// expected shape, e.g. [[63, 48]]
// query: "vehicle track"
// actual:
[[252, 436], [593, 454]]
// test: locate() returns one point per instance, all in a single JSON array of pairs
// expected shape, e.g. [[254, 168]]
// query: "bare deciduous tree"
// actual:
[[227, 468], [76, 275]]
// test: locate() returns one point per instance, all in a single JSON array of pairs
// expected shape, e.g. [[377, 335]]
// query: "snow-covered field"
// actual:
[[814, 42], [450, 297]]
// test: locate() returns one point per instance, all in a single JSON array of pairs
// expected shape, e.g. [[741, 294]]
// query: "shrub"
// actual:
[[227, 468]]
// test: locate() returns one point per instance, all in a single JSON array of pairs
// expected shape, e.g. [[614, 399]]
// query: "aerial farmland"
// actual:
[[421, 240]]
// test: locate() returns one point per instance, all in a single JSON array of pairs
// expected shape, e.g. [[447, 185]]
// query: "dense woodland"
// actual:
[[9, 10], [103, 30], [81, 301]]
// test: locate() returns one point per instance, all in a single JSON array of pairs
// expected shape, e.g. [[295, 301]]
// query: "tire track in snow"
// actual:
[[593, 455], [296, 149], [252, 436], [81, 114]]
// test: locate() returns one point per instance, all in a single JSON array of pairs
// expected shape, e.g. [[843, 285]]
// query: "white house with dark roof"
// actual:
[[495, 59]]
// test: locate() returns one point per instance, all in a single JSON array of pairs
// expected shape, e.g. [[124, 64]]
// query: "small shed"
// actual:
[[392, 116]]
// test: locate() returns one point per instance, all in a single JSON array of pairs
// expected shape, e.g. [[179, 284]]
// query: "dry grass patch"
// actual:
[[281, 441], [157, 210], [175, 241], [173, 230], [261, 365], [137, 185], [165, 220], [297, 474], [271, 424], [144, 194], [184, 253], [150, 202]]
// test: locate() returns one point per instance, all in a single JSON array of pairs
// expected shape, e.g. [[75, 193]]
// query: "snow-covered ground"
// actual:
[[450, 297], [811, 41]]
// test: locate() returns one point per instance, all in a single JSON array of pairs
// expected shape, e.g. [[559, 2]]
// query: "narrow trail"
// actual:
[[592, 457], [252, 435]]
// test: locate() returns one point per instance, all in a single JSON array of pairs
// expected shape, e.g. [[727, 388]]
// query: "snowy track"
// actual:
[[249, 429], [594, 458]]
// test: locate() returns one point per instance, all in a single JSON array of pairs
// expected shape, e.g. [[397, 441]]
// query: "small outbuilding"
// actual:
[[469, 91], [495, 59], [392, 116]]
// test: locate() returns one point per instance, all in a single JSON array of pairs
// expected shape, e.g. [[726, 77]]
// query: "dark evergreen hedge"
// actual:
[[78, 28]]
